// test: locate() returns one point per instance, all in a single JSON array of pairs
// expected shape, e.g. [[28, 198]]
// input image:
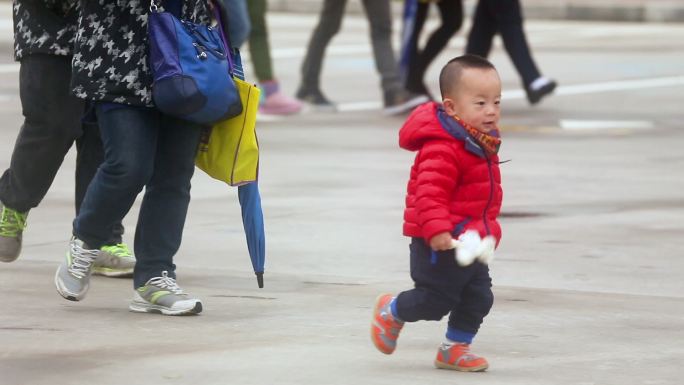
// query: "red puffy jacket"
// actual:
[[453, 186]]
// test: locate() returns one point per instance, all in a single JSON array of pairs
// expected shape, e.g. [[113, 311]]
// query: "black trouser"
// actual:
[[52, 122], [451, 12], [505, 17], [443, 287]]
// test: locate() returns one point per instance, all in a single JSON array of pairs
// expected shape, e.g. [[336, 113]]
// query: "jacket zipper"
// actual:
[[491, 195]]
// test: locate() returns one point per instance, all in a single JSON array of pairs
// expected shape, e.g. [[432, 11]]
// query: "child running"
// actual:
[[454, 192]]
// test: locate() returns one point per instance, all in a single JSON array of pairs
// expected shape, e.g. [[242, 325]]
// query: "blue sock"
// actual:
[[459, 336], [393, 309]]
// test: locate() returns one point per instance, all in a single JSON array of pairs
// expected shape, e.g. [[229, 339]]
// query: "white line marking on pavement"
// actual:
[[297, 53], [359, 106], [620, 85], [578, 125], [575, 89]]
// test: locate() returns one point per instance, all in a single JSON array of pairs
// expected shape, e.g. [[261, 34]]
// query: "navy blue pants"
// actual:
[[444, 287], [143, 148]]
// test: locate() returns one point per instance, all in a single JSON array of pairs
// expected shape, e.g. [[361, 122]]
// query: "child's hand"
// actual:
[[441, 241]]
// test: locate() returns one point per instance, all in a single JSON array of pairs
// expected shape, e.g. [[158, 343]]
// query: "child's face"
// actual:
[[476, 99]]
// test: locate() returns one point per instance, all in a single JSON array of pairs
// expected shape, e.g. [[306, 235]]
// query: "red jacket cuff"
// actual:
[[434, 227]]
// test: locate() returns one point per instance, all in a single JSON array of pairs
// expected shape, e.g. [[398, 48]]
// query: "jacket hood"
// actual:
[[430, 122], [421, 126]]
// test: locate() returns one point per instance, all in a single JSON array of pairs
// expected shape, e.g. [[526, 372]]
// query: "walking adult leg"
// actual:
[[89, 157], [329, 23], [259, 46], [274, 101], [483, 30], [413, 80], [129, 137], [161, 220], [115, 258], [509, 18], [238, 24], [379, 17], [397, 99], [451, 13], [167, 195], [51, 123]]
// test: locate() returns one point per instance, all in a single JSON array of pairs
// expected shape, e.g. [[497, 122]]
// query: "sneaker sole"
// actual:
[[113, 273], [64, 292], [7, 258], [442, 365], [372, 331], [156, 309]]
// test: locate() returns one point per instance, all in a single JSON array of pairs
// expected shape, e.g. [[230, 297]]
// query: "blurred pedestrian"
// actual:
[[454, 191], [275, 102], [419, 59], [237, 21], [43, 39], [144, 148], [397, 99], [505, 17]]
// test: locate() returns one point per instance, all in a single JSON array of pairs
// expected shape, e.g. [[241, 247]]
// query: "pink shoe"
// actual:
[[280, 104]]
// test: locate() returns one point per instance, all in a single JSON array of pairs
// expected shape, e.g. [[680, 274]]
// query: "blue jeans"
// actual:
[[143, 148], [238, 21]]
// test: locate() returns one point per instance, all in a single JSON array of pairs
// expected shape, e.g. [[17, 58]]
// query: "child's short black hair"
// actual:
[[452, 70]]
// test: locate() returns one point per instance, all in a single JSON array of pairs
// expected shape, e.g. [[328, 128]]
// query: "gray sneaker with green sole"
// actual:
[[114, 261], [72, 278], [162, 295], [12, 225]]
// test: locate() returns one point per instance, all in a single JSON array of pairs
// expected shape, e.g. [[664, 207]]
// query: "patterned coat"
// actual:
[[44, 27], [110, 55], [453, 186]]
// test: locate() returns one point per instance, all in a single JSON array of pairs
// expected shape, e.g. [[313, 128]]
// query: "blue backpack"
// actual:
[[192, 70]]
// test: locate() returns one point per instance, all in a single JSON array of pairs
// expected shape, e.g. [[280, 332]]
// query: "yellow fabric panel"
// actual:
[[229, 151]]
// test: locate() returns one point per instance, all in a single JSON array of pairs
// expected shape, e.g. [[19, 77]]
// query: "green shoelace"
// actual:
[[12, 222], [119, 250]]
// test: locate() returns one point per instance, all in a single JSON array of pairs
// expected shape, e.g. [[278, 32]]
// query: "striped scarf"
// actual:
[[490, 142]]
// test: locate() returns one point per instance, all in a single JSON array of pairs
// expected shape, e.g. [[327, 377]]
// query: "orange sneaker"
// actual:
[[384, 328], [458, 357]]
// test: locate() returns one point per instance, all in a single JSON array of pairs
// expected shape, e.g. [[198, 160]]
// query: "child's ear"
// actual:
[[448, 105]]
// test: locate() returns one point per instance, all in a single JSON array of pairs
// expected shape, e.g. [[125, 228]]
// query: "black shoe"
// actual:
[[316, 99], [534, 96], [402, 101]]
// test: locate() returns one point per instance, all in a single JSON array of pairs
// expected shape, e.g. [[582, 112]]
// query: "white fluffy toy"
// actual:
[[469, 247]]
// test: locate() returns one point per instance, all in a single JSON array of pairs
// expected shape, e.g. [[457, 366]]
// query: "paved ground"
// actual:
[[588, 280]]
